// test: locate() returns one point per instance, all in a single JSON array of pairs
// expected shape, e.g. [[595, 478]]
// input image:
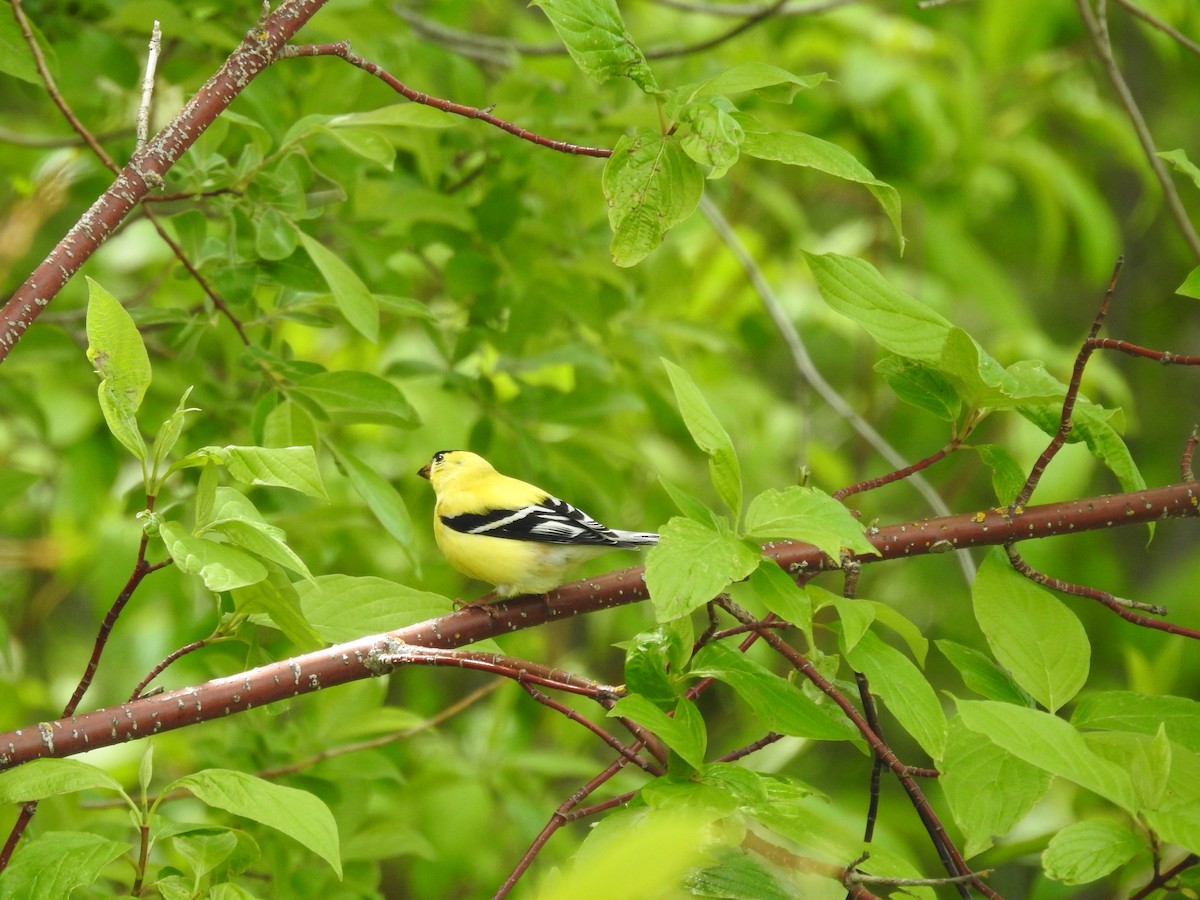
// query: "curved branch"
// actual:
[[359, 659]]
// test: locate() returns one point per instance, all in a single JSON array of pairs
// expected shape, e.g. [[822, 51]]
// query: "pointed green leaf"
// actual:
[[1051, 744], [710, 436], [808, 515], [982, 675], [56, 863], [1142, 713], [298, 814], [290, 467], [277, 598], [776, 702], [383, 500], [221, 566], [1087, 851], [598, 41], [651, 185], [989, 790], [904, 689], [344, 607], [691, 564], [42, 778], [795, 148], [116, 351], [1031, 632], [350, 396], [684, 733], [352, 297], [1191, 285], [921, 386]]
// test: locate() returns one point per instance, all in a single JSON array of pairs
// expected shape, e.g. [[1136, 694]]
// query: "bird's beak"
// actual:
[[424, 471]]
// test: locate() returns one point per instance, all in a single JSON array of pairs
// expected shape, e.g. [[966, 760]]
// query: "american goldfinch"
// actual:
[[510, 533]]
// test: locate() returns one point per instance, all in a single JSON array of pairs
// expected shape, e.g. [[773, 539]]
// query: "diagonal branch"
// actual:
[[1097, 28], [145, 170]]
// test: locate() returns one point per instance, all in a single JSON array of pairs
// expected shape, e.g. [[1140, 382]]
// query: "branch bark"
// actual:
[[360, 659], [146, 168]]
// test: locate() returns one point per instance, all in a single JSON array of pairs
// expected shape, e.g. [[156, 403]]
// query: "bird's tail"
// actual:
[[632, 540]]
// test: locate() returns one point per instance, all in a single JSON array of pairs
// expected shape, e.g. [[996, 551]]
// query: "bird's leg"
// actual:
[[480, 604]]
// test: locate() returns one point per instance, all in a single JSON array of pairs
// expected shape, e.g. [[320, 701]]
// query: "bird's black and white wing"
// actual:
[[551, 521]]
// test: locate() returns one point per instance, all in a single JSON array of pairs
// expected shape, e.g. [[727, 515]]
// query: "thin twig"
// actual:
[[809, 372], [1160, 880], [899, 474], [1072, 395], [341, 50], [1097, 28], [143, 113], [1165, 27], [1121, 606]]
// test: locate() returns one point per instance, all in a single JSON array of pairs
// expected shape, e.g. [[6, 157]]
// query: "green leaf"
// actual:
[[344, 607], [753, 76], [1046, 741], [298, 814], [651, 185], [684, 733], [904, 689], [856, 615], [277, 598], [687, 504], [168, 435], [290, 467], [908, 630], [222, 567], [16, 59], [777, 591], [795, 148], [1007, 476], [597, 40], [809, 515], [56, 863], [1179, 160], [116, 351], [710, 436], [777, 703], [1142, 713], [921, 386], [1191, 284], [239, 521], [400, 115], [654, 659], [1031, 632], [352, 297], [205, 850], [289, 425], [1087, 851], [982, 675], [384, 501], [989, 790], [349, 397], [691, 564], [711, 135], [42, 778]]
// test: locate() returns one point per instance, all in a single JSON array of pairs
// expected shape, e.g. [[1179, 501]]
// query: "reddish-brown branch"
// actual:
[[1162, 879], [353, 661], [341, 50], [146, 168], [955, 864], [1166, 357], [899, 474], [167, 660], [1072, 395], [1189, 451]]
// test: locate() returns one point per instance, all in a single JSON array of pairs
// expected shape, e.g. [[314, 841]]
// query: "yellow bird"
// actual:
[[509, 533]]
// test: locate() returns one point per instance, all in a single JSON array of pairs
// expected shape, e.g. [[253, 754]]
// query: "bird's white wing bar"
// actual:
[[551, 521]]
